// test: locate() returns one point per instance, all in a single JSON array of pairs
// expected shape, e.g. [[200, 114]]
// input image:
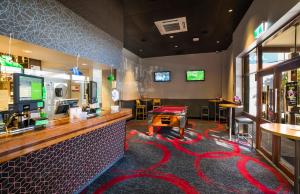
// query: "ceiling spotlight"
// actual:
[[84, 64], [171, 36], [218, 41], [230, 10], [175, 46], [195, 39], [27, 51]]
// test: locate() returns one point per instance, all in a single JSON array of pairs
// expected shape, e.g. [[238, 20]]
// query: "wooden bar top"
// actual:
[[285, 130], [18, 145], [215, 100], [231, 106]]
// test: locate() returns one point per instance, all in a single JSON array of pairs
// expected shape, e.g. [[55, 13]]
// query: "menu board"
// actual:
[[291, 93]]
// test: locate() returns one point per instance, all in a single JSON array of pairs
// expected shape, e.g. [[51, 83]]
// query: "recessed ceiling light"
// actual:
[[27, 51], [230, 10], [84, 64], [171, 36], [218, 41], [175, 46], [195, 39]]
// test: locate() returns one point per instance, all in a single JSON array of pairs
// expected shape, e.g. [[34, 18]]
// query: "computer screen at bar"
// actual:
[[27, 88]]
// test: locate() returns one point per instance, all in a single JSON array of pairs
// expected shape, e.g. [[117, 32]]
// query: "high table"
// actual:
[[230, 107], [292, 132], [215, 101]]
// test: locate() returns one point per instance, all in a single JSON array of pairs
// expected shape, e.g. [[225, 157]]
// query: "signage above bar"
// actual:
[[260, 29]]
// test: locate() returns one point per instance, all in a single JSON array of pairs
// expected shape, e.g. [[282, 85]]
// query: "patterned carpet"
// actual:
[[201, 163]]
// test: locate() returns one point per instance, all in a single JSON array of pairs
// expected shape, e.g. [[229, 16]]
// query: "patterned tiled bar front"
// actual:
[[67, 166]]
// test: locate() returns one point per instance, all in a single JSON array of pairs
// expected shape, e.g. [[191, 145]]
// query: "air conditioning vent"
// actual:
[[171, 26]]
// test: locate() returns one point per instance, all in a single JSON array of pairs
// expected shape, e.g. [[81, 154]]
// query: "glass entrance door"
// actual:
[[267, 109], [289, 113]]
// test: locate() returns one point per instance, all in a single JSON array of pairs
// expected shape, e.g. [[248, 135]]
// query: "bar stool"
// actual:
[[140, 110], [244, 121], [204, 111], [222, 114], [156, 103]]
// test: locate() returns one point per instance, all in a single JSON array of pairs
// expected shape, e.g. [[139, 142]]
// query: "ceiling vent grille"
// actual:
[[171, 26]]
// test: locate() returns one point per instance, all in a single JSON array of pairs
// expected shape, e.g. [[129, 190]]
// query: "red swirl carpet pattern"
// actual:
[[202, 162]]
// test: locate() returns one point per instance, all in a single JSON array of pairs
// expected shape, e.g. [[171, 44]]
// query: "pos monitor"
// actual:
[[92, 92], [28, 92]]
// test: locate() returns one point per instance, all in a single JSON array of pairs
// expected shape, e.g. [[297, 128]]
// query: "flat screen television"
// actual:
[[195, 75], [27, 88], [162, 76], [92, 91]]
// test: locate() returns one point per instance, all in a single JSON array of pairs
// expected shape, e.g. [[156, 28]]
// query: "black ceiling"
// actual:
[[132, 21], [209, 20]]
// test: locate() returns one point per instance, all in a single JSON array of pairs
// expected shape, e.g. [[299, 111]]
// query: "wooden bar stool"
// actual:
[[140, 110], [204, 112], [156, 103]]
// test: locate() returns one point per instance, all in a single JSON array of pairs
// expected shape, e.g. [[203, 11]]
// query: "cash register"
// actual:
[[92, 110], [26, 113]]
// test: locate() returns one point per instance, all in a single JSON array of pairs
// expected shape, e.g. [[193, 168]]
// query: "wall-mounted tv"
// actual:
[[195, 75], [162, 76]]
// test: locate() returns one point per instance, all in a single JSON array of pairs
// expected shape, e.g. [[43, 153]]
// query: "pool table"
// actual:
[[171, 116]]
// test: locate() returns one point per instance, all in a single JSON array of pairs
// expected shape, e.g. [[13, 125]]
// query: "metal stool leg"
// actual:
[[208, 113], [252, 135], [238, 131]]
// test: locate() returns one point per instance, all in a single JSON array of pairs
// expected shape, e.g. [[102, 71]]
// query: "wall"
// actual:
[[106, 90], [178, 87], [126, 76], [259, 11], [50, 24]]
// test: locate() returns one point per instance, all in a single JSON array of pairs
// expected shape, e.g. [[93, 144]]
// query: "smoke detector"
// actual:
[[171, 26]]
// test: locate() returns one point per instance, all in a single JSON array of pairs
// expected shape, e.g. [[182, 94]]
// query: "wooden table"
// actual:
[[292, 132], [230, 107], [215, 101]]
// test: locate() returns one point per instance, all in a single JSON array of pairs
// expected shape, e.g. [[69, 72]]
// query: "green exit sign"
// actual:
[[260, 29]]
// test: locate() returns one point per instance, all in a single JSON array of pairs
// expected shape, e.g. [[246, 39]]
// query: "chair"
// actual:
[[156, 103], [204, 112], [222, 114], [244, 121], [140, 110]]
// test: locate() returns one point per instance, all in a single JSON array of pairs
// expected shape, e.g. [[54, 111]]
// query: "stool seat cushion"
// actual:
[[243, 120]]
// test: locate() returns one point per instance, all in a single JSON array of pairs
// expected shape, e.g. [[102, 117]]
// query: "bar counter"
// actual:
[[62, 158]]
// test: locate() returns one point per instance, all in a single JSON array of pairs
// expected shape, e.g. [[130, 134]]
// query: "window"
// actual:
[[250, 84], [280, 47]]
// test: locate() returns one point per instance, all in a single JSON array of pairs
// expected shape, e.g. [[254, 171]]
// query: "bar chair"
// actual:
[[223, 114], [156, 103], [140, 110], [241, 121], [204, 112]]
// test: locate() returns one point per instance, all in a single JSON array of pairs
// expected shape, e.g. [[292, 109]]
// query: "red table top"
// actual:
[[170, 109]]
